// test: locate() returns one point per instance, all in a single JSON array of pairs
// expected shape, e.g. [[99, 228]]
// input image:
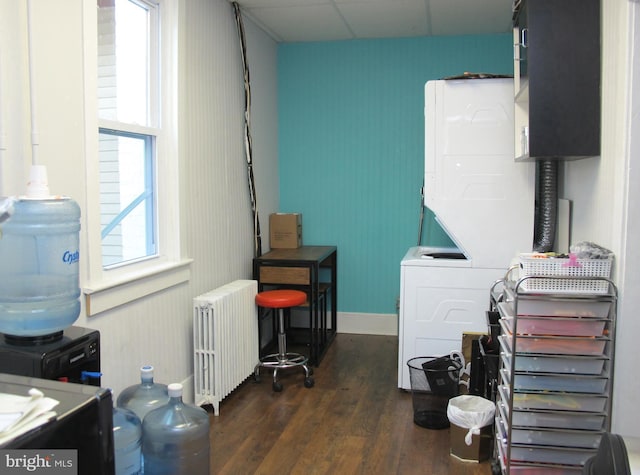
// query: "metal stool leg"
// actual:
[[282, 337], [283, 360]]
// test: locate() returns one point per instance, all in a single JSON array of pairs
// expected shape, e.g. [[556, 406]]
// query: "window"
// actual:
[[132, 161], [128, 69]]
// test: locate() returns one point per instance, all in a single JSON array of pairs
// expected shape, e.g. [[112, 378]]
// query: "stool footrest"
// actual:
[[276, 360], [279, 361]]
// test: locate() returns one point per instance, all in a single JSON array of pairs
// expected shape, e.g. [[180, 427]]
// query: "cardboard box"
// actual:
[[467, 338], [285, 230], [480, 448]]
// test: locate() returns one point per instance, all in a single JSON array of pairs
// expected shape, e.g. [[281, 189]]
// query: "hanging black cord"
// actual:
[[257, 239]]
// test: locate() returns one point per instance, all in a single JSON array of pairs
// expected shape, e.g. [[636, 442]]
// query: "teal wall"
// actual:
[[351, 148]]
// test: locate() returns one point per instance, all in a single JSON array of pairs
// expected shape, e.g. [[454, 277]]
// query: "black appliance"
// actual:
[[84, 422], [612, 457], [72, 356]]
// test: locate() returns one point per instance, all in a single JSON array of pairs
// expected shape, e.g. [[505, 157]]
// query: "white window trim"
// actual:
[[108, 295], [107, 289]]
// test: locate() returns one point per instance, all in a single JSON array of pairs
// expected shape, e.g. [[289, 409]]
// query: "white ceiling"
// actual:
[[327, 20]]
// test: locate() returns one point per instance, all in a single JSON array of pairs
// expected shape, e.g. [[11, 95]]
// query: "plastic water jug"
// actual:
[[127, 442], [175, 438], [39, 267], [144, 397]]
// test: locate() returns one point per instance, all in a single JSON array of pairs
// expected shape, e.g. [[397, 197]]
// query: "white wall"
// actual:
[[14, 141], [626, 418], [216, 222], [603, 189]]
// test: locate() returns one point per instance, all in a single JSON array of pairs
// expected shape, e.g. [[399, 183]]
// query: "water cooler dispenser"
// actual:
[[39, 288], [72, 357]]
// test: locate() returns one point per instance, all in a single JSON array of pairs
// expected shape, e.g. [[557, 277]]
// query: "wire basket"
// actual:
[[564, 267]]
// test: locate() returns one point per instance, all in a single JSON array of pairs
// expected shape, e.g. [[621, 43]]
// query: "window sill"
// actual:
[[108, 295]]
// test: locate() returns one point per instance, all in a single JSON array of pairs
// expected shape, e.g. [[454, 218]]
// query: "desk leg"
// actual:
[[313, 308]]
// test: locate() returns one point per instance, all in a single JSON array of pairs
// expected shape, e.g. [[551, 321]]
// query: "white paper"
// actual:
[[19, 414]]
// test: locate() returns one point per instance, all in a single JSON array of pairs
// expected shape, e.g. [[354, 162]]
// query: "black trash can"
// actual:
[[434, 380]]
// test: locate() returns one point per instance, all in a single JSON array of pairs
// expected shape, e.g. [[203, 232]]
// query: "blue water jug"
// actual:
[[127, 442], [175, 438], [144, 397], [39, 267]]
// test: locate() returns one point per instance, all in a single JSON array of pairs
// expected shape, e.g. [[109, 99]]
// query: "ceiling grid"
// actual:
[[332, 20]]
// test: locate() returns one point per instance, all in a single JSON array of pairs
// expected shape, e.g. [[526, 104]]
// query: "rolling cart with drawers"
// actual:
[[553, 402]]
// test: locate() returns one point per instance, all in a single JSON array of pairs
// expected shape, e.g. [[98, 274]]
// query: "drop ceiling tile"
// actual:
[[382, 19], [302, 23], [470, 17], [281, 3]]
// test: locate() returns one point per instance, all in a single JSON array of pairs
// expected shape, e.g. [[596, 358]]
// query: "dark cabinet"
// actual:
[[557, 79]]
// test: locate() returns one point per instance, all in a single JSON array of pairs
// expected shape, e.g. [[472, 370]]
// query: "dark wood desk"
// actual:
[[83, 422], [313, 269]]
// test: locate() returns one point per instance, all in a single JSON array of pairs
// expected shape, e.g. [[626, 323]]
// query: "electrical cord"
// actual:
[[257, 239]]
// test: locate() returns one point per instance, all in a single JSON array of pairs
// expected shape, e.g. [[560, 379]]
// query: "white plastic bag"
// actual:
[[470, 412]]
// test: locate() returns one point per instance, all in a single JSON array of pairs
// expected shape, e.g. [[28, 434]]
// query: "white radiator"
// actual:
[[225, 340]]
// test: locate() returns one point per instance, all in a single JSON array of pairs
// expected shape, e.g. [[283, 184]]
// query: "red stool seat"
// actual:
[[282, 298]]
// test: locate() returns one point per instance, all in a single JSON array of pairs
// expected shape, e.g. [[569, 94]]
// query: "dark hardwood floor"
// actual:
[[353, 421]]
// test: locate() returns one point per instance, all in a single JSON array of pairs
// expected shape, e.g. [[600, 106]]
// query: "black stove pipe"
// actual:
[[546, 212]]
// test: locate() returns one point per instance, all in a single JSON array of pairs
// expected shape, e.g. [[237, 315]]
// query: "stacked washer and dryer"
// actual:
[[482, 199]]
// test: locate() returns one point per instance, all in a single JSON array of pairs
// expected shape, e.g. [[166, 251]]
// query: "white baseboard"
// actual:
[[368, 323]]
